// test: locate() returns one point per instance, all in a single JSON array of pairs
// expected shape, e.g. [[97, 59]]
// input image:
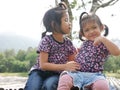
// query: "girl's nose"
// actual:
[[91, 31]]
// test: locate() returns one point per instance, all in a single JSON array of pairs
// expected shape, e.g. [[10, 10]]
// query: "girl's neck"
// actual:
[[58, 37]]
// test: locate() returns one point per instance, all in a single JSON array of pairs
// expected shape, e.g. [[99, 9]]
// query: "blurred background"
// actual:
[[21, 28]]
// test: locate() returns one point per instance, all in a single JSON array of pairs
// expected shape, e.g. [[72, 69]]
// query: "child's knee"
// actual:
[[65, 82], [66, 79], [101, 85]]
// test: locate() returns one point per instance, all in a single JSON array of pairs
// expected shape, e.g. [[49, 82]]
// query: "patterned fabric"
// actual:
[[58, 52], [92, 58]]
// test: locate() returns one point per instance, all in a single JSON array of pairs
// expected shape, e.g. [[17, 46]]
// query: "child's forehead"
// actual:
[[66, 14], [88, 19], [89, 22]]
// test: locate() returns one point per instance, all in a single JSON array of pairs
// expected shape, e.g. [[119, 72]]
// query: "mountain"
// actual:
[[16, 42]]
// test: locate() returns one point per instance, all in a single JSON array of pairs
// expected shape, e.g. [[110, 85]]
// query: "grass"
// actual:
[[23, 74], [116, 75]]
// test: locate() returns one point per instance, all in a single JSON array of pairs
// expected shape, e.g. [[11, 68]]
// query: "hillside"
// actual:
[[16, 42], [10, 41]]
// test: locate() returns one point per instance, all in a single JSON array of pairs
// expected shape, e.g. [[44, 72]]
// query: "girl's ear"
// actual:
[[102, 28], [52, 24]]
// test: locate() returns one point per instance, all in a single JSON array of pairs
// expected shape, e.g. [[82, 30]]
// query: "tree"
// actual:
[[21, 55], [95, 5], [9, 53], [1, 56], [31, 57]]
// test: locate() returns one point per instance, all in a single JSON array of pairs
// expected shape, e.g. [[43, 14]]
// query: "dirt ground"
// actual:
[[12, 82], [15, 82]]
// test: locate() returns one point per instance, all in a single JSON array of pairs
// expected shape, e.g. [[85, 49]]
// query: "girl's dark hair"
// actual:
[[84, 18], [106, 30], [52, 18]]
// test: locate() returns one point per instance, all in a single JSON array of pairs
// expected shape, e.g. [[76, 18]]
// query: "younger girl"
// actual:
[[54, 51], [91, 56]]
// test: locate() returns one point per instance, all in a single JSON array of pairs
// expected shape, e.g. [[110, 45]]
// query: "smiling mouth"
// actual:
[[93, 36]]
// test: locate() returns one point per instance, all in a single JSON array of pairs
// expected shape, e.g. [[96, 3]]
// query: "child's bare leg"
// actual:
[[65, 82], [100, 85]]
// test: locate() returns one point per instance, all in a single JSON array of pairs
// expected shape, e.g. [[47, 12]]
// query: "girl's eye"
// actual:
[[94, 27], [87, 30], [66, 20]]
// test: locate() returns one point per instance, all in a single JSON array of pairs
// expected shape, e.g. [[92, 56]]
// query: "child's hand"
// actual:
[[97, 41], [72, 66], [72, 57]]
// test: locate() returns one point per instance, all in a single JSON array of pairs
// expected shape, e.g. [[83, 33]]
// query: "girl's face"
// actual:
[[91, 30], [65, 24]]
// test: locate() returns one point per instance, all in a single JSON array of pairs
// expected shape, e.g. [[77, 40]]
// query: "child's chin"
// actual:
[[92, 39]]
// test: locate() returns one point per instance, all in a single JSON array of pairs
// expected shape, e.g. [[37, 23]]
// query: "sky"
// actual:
[[113, 22], [24, 17]]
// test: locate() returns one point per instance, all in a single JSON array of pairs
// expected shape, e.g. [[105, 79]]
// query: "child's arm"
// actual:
[[113, 49], [72, 57], [45, 65]]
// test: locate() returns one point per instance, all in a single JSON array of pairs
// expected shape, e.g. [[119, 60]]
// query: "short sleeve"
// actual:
[[44, 45], [72, 49]]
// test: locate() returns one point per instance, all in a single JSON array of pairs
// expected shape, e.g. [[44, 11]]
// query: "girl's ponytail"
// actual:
[[44, 33], [106, 30], [80, 24], [80, 36], [63, 5]]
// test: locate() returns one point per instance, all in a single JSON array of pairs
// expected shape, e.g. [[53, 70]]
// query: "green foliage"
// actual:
[[19, 62], [9, 53], [23, 74], [19, 66], [23, 60], [1, 56], [116, 75], [112, 64], [73, 4], [21, 55], [2, 68]]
